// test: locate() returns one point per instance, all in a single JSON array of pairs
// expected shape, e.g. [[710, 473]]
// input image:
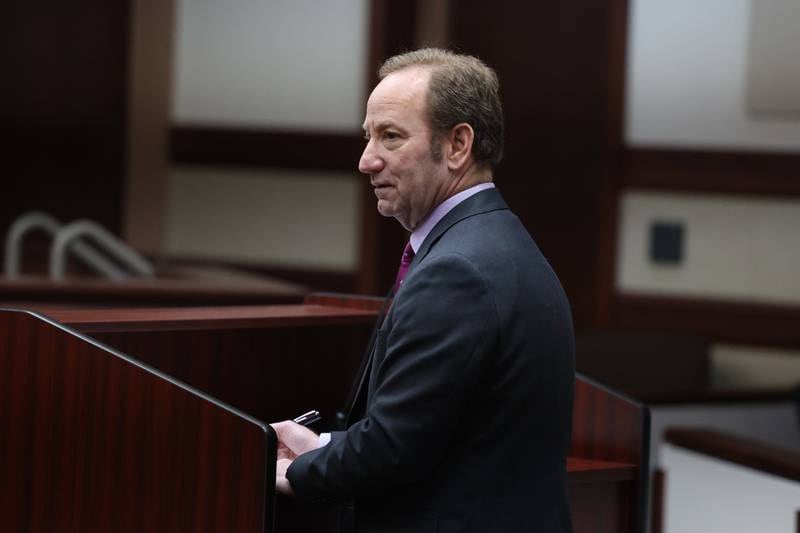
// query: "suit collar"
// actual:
[[482, 202], [438, 213]]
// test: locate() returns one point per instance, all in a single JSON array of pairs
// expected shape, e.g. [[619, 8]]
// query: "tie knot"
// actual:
[[408, 255]]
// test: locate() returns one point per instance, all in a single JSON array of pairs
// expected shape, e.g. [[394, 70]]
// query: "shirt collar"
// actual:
[[423, 230]]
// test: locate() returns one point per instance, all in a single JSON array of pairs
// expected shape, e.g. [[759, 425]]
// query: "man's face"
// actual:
[[408, 182]]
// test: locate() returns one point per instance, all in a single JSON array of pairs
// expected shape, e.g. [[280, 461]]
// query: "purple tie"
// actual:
[[405, 261]]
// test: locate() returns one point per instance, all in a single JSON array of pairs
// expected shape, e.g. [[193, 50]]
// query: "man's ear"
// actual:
[[459, 146]]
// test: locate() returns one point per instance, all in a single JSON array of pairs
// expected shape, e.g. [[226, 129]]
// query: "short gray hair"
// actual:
[[462, 89]]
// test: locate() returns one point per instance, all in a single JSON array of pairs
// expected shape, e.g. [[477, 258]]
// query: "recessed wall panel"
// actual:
[[274, 217], [744, 249], [687, 84], [278, 64]]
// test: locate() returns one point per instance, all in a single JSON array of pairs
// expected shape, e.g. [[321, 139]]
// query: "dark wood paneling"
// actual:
[[93, 442], [581, 470], [262, 372], [725, 172], [624, 438], [63, 109], [610, 427], [735, 322], [207, 145], [393, 26], [602, 496], [272, 362], [608, 199], [746, 452], [276, 362], [210, 318], [602, 508], [561, 70], [645, 365], [657, 502]]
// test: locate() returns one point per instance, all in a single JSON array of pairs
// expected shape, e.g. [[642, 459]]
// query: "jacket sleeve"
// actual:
[[444, 323]]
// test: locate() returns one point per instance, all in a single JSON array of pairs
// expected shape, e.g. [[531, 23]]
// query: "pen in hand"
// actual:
[[307, 418]]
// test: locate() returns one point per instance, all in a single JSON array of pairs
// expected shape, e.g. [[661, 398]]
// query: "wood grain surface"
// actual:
[[93, 442]]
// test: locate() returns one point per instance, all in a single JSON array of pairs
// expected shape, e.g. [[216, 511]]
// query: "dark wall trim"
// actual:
[[744, 173], [734, 322], [212, 145], [392, 29], [609, 197], [315, 279], [657, 501]]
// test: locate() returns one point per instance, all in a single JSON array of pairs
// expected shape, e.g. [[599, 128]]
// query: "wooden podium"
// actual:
[[93, 441], [275, 362]]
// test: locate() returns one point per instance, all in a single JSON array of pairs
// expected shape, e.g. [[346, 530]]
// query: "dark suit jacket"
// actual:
[[469, 400]]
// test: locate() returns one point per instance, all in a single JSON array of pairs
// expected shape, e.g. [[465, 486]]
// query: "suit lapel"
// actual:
[[356, 399]]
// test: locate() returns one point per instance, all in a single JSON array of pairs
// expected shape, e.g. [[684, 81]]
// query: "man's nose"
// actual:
[[370, 163]]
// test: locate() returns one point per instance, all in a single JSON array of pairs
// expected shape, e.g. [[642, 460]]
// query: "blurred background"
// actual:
[[652, 150]]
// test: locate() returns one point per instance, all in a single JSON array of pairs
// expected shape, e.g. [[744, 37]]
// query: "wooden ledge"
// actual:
[[185, 291], [205, 318], [581, 470], [738, 450], [710, 396]]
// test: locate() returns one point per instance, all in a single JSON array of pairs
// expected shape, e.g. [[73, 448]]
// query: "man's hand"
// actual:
[[282, 484], [293, 440]]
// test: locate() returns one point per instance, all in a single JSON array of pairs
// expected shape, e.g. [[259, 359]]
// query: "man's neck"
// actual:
[[471, 176]]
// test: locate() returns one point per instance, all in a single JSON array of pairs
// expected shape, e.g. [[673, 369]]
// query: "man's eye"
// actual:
[[390, 136]]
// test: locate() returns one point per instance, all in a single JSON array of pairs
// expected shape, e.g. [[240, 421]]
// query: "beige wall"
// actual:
[[736, 248], [688, 68], [285, 64], [276, 217]]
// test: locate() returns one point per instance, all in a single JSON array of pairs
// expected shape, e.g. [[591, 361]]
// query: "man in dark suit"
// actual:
[[464, 420]]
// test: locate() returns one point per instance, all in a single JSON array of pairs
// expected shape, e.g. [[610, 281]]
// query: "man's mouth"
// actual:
[[380, 187]]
